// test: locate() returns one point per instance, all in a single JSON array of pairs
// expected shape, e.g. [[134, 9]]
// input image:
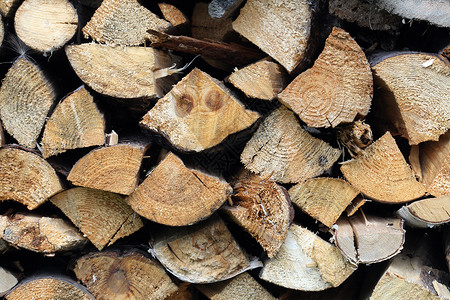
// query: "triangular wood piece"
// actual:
[[98, 214], [25, 99], [413, 95], [383, 174], [75, 123], [203, 253], [131, 275], [263, 208], [176, 17], [198, 113], [113, 169], [336, 89], [26, 178], [323, 198], [174, 195], [427, 213], [283, 151], [123, 22], [306, 262]]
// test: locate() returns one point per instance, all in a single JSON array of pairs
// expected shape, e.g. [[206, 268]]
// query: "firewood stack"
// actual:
[[258, 149]]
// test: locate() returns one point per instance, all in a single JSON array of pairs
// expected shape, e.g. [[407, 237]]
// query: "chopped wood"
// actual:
[[279, 28], [176, 17], [113, 169], [306, 262], [323, 198], [123, 22], [26, 178], [283, 151], [8, 7], [241, 287], [198, 113], [203, 253], [174, 195], [7, 281], [131, 275], [263, 79], [355, 137], [337, 89], [25, 100], [40, 234], [369, 239], [45, 25], [75, 123], [206, 27], [98, 214], [49, 287], [223, 8], [263, 208], [414, 95], [382, 173], [121, 72], [426, 213], [355, 205]]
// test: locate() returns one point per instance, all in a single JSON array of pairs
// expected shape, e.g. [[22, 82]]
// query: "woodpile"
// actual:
[[229, 149]]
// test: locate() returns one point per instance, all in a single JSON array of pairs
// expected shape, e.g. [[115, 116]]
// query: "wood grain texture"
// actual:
[[7, 281], [427, 213], [180, 23], [8, 7], [206, 27]]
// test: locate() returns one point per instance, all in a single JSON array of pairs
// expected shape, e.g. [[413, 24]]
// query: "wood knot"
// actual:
[[184, 105], [214, 101]]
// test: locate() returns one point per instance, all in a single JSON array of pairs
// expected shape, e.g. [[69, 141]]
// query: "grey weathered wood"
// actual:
[[223, 8]]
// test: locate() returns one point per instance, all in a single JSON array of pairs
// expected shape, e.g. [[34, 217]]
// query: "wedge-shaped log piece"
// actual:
[[282, 150], [7, 281], [123, 22], [203, 253], [322, 198], [369, 239], [206, 27], [49, 287], [98, 214], [131, 275], [26, 178], [263, 79], [383, 174], [25, 99], [75, 123], [306, 262], [114, 169], [241, 287], [336, 89], [426, 213], [198, 113], [175, 195], [119, 72], [414, 95], [175, 17], [263, 208], [280, 28], [40, 234], [46, 25]]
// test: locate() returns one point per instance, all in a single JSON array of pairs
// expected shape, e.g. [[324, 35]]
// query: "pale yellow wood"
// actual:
[[205, 27], [283, 151], [123, 22], [428, 212], [172, 14], [7, 281], [355, 205], [46, 25], [8, 7]]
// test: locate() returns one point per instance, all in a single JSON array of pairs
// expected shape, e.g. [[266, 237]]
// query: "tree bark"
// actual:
[[426, 213]]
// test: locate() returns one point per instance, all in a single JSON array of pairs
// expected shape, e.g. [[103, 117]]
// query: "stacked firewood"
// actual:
[[234, 149]]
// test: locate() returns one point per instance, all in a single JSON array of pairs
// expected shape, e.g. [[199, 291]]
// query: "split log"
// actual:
[[355, 205], [241, 287], [180, 23], [113, 169], [7, 281], [75, 123], [323, 198], [369, 239], [174, 195], [263, 79], [25, 100], [223, 8], [131, 275], [198, 113], [203, 253], [283, 151], [123, 22], [121, 72], [45, 25], [383, 174], [8, 7], [355, 137], [337, 89], [102, 216], [26, 178], [49, 287], [306, 262], [426, 213], [413, 98], [263, 208], [205, 27], [40, 234]]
